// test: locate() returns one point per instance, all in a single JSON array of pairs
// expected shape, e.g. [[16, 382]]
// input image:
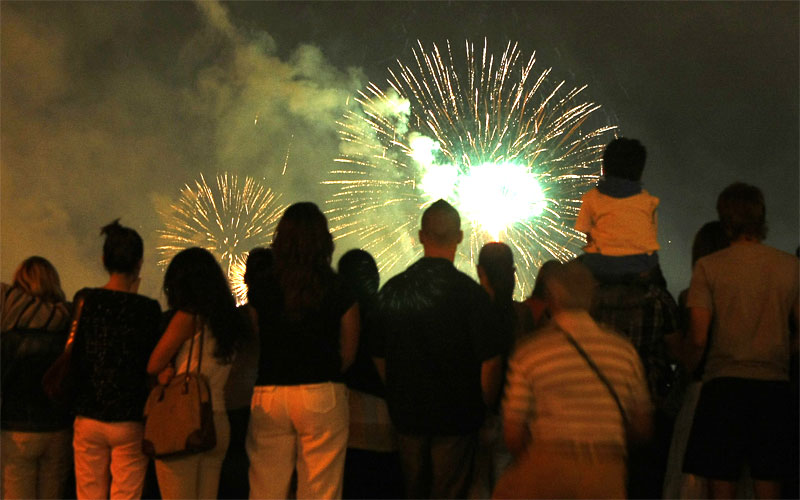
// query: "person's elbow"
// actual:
[[154, 365], [640, 426], [350, 330]]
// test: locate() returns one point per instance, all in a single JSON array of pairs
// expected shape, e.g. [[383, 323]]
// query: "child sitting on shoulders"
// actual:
[[619, 218]]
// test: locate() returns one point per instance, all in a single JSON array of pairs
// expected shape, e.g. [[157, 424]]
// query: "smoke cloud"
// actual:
[[109, 109]]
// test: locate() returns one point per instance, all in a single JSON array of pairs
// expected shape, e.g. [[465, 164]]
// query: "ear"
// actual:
[[421, 236], [460, 236]]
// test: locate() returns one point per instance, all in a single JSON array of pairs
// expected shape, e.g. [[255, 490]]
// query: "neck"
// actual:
[[745, 238], [448, 253], [120, 282]]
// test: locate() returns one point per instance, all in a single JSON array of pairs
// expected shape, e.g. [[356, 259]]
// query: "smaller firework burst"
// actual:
[[228, 218]]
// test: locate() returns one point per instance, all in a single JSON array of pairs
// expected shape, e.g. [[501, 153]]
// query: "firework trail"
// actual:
[[511, 151], [228, 218]]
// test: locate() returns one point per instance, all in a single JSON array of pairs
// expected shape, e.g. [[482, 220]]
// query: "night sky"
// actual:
[[109, 108]]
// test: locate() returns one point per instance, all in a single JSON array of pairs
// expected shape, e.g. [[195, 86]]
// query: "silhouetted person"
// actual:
[[308, 325], [619, 218], [204, 333], [233, 482], [117, 332], [537, 302], [511, 322], [36, 435], [710, 238], [372, 465], [442, 361], [741, 299]]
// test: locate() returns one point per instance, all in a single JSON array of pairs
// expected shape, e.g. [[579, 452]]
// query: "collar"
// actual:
[[618, 187], [573, 320]]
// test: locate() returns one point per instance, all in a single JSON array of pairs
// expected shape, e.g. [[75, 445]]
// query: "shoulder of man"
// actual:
[[617, 339]]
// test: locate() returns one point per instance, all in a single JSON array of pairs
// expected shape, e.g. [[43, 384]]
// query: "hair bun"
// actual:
[[114, 227]]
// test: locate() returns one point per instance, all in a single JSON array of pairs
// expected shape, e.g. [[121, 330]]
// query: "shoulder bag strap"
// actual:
[[599, 373], [76, 317], [201, 327]]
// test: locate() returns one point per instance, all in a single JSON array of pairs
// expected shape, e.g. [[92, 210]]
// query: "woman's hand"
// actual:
[[165, 375], [180, 329]]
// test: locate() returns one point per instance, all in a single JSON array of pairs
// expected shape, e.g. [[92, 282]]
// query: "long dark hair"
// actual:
[[303, 247], [195, 283]]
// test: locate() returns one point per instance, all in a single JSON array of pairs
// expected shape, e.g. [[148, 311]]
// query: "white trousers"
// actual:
[[35, 464], [197, 475], [109, 462], [303, 427]]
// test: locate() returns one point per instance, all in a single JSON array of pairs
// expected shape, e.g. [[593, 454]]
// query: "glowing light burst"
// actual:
[[229, 218], [512, 151]]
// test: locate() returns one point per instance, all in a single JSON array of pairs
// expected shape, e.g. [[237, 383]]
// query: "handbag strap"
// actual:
[[76, 317], [598, 372], [201, 329]]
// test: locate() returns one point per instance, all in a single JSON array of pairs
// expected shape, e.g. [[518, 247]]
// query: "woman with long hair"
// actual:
[[309, 325], [512, 321], [118, 329], [205, 323], [35, 451]]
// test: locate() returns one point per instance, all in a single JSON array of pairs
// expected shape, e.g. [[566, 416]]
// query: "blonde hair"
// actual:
[[37, 276]]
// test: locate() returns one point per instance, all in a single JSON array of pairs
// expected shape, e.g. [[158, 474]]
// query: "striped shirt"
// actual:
[[22, 310], [552, 389]]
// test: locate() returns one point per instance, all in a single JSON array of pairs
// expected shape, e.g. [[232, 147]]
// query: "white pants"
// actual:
[[298, 426], [109, 462], [35, 464], [197, 475]]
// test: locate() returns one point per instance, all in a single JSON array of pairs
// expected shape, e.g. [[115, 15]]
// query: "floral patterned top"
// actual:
[[116, 334]]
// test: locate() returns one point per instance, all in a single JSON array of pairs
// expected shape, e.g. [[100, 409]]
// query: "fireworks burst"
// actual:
[[508, 149], [228, 218]]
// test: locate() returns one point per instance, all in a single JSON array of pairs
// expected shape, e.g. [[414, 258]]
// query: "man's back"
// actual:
[[554, 390], [750, 289], [433, 329]]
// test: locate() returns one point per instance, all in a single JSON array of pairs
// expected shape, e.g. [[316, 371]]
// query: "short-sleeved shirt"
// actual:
[[750, 289], [553, 391], [301, 348], [619, 226], [433, 327], [116, 334]]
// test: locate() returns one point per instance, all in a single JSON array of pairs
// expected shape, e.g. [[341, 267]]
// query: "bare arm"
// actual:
[[350, 328], [380, 365], [180, 329], [699, 322], [491, 379]]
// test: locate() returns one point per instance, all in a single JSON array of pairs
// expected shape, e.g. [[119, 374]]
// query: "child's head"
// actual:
[[624, 158]]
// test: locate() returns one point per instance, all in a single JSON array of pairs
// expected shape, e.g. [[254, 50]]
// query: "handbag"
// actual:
[[178, 416], [60, 380]]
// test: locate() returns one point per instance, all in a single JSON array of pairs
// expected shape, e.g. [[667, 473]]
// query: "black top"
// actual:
[[362, 375], [116, 335], [434, 328], [302, 348], [27, 352]]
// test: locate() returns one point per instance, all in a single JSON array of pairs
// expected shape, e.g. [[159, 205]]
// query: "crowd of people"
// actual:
[[326, 385]]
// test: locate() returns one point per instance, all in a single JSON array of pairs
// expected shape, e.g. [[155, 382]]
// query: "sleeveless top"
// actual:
[[215, 372]]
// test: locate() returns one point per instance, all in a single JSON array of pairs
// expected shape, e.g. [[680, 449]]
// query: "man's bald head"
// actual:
[[441, 227]]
